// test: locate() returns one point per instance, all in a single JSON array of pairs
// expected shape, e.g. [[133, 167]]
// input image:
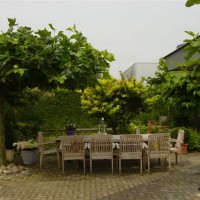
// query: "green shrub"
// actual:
[[194, 141], [174, 133], [133, 126]]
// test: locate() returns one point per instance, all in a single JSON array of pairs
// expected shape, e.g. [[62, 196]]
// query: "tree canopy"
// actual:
[[46, 59], [58, 60], [117, 101], [176, 94]]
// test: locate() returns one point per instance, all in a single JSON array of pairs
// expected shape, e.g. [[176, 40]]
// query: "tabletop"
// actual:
[[116, 138]]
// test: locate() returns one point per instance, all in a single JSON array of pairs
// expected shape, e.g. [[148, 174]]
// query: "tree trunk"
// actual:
[[2, 129]]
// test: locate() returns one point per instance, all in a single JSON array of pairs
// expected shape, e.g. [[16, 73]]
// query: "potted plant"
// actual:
[[29, 151], [70, 129]]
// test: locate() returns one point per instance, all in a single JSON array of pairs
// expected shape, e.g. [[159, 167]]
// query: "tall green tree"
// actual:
[[176, 93], [155, 89], [46, 60], [117, 101]]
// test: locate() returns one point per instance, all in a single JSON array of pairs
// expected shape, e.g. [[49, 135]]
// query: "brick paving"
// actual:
[[181, 182]]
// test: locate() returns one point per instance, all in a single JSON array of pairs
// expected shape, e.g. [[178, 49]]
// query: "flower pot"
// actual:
[[29, 157], [184, 148], [70, 132], [10, 155]]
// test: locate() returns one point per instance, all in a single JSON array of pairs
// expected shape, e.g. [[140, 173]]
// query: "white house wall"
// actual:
[[177, 56], [139, 70]]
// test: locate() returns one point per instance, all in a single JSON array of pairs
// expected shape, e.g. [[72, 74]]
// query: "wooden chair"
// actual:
[[46, 148], [130, 147], [72, 149], [158, 147], [101, 147], [177, 148]]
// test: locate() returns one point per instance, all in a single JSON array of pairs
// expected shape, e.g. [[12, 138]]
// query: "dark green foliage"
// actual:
[[10, 125], [176, 94], [11, 132], [41, 59], [53, 110], [174, 133], [194, 142]]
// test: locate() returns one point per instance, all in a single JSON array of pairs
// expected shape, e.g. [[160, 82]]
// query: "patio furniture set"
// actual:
[[142, 147]]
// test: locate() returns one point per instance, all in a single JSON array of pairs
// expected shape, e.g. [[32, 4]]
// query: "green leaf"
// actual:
[[190, 33], [44, 33], [190, 3], [12, 22], [51, 26], [74, 26], [195, 43], [69, 29], [177, 75]]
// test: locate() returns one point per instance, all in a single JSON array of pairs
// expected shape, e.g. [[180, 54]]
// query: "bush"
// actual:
[[174, 133], [194, 141]]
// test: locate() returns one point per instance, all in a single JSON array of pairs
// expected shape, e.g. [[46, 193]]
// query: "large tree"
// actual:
[[37, 59], [177, 94], [117, 101]]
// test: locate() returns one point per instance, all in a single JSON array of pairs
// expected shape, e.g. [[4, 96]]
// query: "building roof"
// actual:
[[178, 56]]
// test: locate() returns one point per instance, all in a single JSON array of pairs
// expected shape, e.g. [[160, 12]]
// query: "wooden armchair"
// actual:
[[101, 147], [46, 148], [72, 149], [130, 147], [177, 148], [158, 147]]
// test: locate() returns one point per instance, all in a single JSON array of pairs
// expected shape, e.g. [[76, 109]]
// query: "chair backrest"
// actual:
[[101, 144], [159, 143], [72, 144], [180, 138], [130, 143]]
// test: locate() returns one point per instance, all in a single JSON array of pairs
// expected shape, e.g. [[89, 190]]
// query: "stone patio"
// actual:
[[182, 182]]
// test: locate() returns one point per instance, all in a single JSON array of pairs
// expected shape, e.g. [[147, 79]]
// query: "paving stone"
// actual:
[[182, 182]]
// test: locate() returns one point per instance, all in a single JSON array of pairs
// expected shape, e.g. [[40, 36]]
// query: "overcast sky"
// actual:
[[134, 31]]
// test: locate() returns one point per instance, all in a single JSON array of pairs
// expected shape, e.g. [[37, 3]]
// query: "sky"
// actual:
[[134, 31]]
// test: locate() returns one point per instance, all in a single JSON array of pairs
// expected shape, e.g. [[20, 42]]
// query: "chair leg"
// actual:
[[148, 165], [112, 164], [63, 166], [59, 160], [180, 158], [90, 166], [116, 162], [143, 160], [41, 160], [120, 165], [176, 156], [84, 165], [141, 166]]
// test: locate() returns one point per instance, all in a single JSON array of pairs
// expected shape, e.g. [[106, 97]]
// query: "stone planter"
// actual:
[[29, 157]]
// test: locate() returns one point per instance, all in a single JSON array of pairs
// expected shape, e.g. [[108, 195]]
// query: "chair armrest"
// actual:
[[173, 140]]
